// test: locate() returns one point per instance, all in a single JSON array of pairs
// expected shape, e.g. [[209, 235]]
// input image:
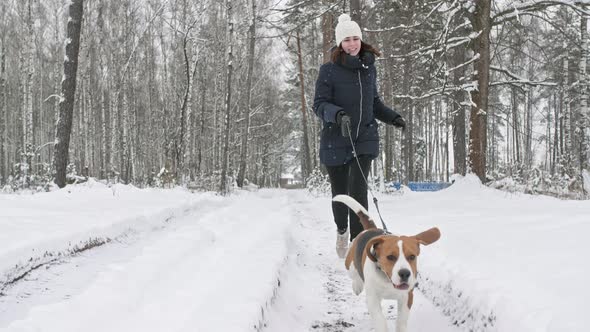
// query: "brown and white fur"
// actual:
[[391, 268]]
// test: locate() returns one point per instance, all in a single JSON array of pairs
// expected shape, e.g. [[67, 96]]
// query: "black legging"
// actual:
[[347, 179]]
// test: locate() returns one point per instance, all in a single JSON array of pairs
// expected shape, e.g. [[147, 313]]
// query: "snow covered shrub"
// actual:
[[72, 176], [210, 182], [538, 182], [7, 189], [164, 179], [318, 183], [249, 186], [22, 179]]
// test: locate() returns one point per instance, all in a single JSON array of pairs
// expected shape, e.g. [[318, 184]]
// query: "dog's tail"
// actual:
[[360, 211]]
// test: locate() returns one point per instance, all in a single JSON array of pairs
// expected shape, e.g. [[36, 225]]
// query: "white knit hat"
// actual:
[[347, 28]]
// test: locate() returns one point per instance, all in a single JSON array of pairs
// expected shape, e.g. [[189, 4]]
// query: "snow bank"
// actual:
[[36, 229]]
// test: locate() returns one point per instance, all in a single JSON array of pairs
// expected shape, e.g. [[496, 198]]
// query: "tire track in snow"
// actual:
[[68, 273]]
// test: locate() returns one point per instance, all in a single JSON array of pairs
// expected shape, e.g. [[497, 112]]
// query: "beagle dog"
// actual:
[[384, 265]]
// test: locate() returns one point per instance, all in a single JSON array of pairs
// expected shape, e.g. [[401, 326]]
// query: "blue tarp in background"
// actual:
[[423, 186]]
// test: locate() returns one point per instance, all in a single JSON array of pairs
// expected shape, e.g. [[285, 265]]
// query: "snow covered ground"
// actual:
[[94, 258]]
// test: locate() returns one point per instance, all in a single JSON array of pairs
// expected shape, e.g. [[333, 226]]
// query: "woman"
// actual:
[[347, 101]]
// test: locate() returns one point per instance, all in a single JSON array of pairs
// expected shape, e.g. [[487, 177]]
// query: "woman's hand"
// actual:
[[399, 122], [343, 120]]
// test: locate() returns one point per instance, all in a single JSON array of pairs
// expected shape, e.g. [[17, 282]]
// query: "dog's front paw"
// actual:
[[357, 287], [401, 325]]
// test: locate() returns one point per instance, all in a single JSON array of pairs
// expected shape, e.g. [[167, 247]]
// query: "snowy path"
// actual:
[[264, 261], [319, 296], [219, 268]]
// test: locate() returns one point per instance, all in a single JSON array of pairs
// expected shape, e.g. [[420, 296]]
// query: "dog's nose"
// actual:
[[404, 274]]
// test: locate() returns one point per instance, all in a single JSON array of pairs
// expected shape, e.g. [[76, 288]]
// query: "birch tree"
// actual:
[[224, 185], [583, 111], [27, 115], [248, 88], [3, 117], [185, 108]]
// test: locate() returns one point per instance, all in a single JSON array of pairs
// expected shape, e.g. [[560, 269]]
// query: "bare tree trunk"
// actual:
[[566, 114], [84, 125], [3, 117], [124, 87], [583, 116], [104, 154], [493, 153], [481, 21], [528, 129], [185, 113], [223, 186], [556, 135], [529, 121], [459, 146], [327, 32], [112, 168], [437, 140], [134, 171], [167, 128], [306, 158], [202, 122], [57, 69], [355, 12], [315, 125], [66, 106], [447, 134], [428, 138], [248, 108], [389, 144], [28, 72], [408, 147], [126, 165], [515, 125], [103, 135]]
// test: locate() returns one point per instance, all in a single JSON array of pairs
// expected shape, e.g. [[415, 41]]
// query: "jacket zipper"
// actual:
[[361, 105]]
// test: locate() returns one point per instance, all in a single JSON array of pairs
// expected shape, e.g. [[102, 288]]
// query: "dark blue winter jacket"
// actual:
[[350, 85]]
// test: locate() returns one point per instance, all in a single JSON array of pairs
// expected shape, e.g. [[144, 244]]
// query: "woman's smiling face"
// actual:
[[351, 45]]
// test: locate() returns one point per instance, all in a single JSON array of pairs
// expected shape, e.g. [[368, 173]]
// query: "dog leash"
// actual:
[[374, 198], [365, 178]]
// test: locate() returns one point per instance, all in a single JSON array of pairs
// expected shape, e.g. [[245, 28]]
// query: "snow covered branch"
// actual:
[[516, 80], [464, 64], [513, 11], [446, 90], [436, 48]]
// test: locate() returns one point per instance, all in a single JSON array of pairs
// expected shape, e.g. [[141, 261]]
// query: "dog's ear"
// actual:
[[373, 244], [428, 237]]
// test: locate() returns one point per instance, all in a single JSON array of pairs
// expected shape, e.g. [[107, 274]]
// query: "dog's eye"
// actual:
[[391, 257], [412, 257]]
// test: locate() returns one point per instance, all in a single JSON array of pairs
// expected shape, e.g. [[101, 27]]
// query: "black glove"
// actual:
[[343, 120], [399, 122]]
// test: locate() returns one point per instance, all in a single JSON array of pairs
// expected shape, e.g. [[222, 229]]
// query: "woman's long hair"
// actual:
[[338, 53]]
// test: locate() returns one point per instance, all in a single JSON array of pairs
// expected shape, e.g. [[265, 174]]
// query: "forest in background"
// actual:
[[195, 91]]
